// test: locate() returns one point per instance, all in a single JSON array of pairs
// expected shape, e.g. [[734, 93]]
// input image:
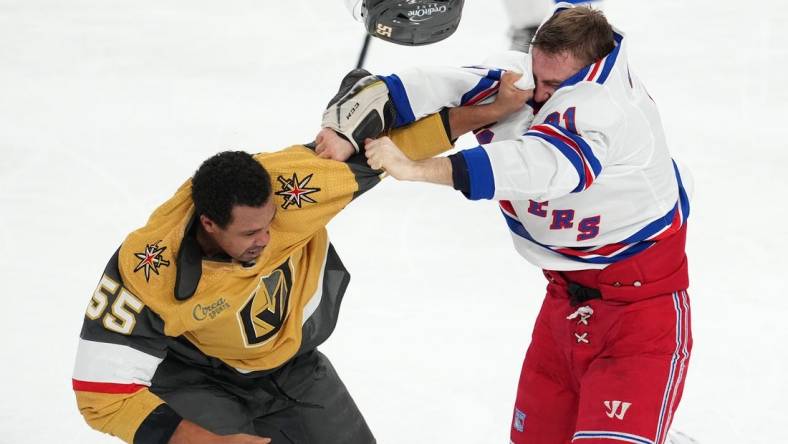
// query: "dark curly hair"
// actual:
[[227, 179]]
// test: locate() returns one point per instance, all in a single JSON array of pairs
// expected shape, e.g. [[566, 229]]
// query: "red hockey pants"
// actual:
[[608, 369]]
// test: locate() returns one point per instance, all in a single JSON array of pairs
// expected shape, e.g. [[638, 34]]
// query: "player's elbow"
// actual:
[[102, 413]]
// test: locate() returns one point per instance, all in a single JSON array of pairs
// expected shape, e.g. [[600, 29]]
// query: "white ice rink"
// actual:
[[106, 106]]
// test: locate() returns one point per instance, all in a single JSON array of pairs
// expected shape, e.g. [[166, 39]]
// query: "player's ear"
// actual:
[[208, 225]]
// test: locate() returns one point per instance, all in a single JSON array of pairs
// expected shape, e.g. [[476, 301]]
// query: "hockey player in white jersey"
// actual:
[[591, 195]]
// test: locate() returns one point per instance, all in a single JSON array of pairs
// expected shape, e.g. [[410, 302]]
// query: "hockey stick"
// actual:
[[363, 54]]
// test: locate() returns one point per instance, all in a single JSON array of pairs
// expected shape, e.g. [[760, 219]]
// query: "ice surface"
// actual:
[[107, 106]]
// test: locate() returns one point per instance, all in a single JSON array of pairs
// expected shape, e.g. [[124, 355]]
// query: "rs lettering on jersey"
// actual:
[[589, 228], [537, 208], [561, 219]]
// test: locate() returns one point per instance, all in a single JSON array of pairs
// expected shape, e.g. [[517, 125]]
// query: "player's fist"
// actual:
[[383, 154], [330, 145], [510, 98]]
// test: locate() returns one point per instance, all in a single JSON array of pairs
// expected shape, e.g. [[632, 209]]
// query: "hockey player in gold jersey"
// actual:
[[205, 323]]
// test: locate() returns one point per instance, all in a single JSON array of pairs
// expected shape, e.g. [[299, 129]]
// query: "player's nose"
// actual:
[[541, 95], [263, 239]]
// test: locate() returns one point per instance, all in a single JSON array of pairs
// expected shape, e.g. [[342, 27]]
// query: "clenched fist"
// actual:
[[330, 145], [383, 154]]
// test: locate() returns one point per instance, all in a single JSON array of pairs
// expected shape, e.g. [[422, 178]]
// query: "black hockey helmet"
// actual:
[[408, 22]]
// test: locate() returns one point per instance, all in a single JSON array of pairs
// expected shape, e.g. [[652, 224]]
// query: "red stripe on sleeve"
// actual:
[[105, 387], [482, 95], [550, 131]]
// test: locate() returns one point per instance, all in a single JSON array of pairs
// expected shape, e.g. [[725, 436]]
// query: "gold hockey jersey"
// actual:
[[159, 296]]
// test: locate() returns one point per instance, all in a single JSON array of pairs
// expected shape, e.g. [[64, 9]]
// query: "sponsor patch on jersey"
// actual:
[[151, 259], [519, 420], [209, 311], [296, 192]]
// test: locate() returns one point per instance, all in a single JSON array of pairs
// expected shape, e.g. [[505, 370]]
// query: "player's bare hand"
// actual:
[[384, 154], [511, 98], [330, 145], [188, 432]]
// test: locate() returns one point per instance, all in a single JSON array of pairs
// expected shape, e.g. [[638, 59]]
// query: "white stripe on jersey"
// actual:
[[113, 363], [314, 301]]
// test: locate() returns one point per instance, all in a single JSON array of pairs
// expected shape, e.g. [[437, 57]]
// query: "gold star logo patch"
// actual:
[[151, 259], [295, 192]]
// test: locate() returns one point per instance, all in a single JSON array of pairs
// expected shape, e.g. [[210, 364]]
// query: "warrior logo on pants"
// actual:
[[264, 313], [613, 410]]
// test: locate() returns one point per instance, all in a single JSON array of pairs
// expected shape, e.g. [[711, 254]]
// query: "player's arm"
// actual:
[[317, 188], [549, 161], [420, 91], [422, 139], [509, 99], [121, 345], [367, 106], [363, 108], [309, 190]]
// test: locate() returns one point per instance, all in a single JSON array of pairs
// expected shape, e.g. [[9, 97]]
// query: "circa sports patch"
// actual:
[[295, 191], [151, 259]]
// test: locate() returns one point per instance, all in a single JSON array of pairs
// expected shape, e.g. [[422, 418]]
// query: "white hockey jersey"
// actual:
[[586, 182]]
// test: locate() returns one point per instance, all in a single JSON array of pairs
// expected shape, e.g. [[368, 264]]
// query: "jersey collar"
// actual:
[[598, 71]]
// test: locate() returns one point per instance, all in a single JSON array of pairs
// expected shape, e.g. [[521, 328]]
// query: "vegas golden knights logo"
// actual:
[[264, 313]]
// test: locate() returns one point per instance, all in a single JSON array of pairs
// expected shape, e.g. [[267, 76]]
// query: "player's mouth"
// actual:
[[253, 252]]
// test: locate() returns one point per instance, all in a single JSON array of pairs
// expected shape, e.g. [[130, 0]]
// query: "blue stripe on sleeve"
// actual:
[[596, 167], [483, 84], [569, 153], [400, 98], [480, 173]]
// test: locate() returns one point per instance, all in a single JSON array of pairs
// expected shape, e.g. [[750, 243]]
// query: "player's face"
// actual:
[[247, 234], [551, 70]]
